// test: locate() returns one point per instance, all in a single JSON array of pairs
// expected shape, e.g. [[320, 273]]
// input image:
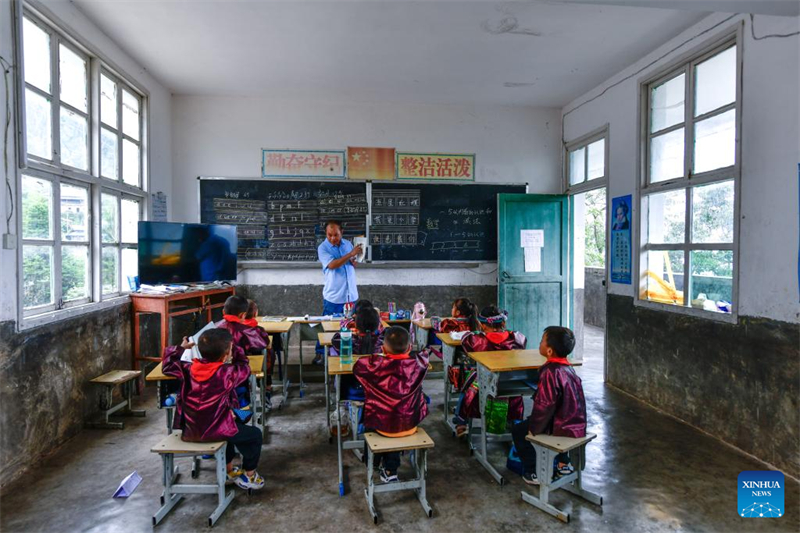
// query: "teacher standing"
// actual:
[[338, 259]]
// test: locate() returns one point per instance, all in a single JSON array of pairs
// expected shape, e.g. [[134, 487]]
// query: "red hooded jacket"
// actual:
[[559, 407], [393, 388], [207, 394]]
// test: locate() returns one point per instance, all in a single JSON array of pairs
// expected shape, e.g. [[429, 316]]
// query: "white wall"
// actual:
[[768, 284], [223, 136], [160, 102]]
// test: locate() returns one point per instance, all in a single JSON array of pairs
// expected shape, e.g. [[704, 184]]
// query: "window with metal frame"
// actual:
[[120, 131], [65, 261], [691, 169], [586, 161]]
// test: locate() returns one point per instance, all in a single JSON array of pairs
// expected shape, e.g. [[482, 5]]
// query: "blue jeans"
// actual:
[[328, 308]]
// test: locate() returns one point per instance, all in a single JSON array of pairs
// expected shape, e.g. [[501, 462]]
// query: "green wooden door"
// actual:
[[534, 300]]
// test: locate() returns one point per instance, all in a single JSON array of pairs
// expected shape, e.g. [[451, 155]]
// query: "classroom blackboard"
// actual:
[[282, 220], [435, 222]]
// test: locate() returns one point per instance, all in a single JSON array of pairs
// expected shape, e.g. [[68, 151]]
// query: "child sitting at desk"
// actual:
[[464, 317], [492, 337], [251, 319], [207, 397], [249, 339], [395, 404], [366, 339], [350, 323], [559, 407], [244, 336]]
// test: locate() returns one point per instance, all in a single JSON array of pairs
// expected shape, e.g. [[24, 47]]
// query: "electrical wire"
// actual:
[[770, 36], [7, 67]]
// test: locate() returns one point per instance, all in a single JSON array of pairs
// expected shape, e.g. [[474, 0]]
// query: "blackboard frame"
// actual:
[[249, 264]]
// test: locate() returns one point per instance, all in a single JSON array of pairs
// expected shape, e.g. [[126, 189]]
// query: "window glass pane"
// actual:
[[715, 142], [595, 230], [712, 213], [130, 162], [130, 221], [110, 218], [109, 269], [74, 272], [712, 280], [109, 166], [74, 213], [664, 277], [74, 139], [130, 115], [108, 101], [37, 276], [130, 266], [666, 217], [597, 157], [576, 166], [715, 82], [36, 44], [666, 103], [37, 208], [72, 71], [38, 125], [666, 156]]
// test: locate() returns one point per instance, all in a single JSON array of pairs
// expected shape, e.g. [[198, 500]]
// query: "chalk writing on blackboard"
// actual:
[[395, 218]]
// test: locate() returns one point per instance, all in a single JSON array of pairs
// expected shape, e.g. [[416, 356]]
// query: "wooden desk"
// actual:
[[282, 328], [335, 368], [490, 367], [170, 305], [331, 326]]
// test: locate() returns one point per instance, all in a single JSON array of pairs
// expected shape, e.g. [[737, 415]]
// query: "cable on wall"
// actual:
[[7, 68], [770, 36]]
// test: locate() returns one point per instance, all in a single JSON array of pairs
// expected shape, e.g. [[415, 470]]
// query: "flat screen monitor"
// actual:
[[171, 252]]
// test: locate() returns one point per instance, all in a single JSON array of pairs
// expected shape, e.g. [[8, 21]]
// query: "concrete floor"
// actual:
[[654, 473]]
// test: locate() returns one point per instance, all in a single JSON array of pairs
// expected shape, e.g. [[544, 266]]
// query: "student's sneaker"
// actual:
[[246, 482], [387, 477], [233, 474], [564, 469], [530, 479]]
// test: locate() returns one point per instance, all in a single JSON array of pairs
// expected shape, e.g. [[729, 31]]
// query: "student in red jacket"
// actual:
[[208, 396], [367, 339], [395, 404], [559, 407], [464, 317], [233, 320], [492, 337], [251, 319]]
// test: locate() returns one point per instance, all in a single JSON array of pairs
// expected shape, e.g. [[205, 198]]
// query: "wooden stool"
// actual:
[[377, 443], [547, 447], [109, 381], [173, 446]]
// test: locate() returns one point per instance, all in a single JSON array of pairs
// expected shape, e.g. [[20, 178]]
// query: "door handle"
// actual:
[[506, 275]]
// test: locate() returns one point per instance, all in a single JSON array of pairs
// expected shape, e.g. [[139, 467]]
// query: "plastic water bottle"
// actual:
[[170, 400], [346, 347]]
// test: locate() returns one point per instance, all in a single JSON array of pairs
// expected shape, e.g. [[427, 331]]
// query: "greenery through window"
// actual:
[[688, 200], [595, 231], [59, 249]]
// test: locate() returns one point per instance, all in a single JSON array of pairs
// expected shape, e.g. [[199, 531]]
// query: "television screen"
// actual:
[[171, 252]]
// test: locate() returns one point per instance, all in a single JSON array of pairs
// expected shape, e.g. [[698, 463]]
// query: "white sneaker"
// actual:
[[246, 482], [387, 477]]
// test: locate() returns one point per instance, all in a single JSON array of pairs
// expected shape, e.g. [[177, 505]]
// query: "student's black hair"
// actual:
[[396, 340], [368, 321], [235, 305], [214, 344], [468, 310], [252, 309], [560, 339], [492, 311], [334, 222], [362, 303]]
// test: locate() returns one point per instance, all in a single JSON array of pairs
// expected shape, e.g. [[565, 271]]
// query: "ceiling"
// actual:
[[445, 52]]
